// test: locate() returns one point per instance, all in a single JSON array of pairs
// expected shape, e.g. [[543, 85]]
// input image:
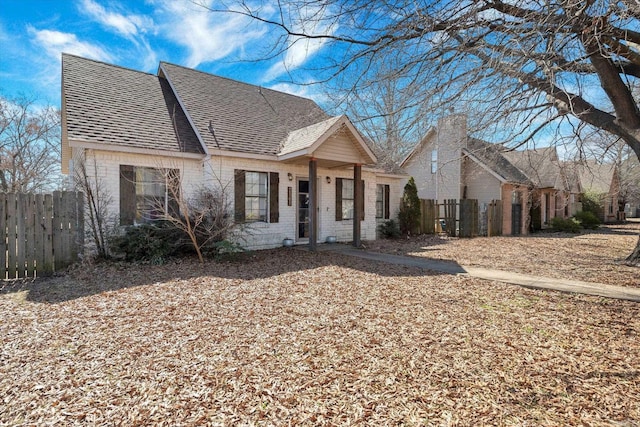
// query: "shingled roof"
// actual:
[[107, 104], [540, 165], [235, 116], [179, 110], [492, 156]]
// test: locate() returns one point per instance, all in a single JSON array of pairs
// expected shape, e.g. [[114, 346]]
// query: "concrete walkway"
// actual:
[[563, 285]]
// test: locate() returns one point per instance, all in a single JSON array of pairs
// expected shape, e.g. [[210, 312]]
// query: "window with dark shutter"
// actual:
[[382, 201], [256, 196], [345, 202]]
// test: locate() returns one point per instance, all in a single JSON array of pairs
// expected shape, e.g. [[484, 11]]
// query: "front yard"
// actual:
[[287, 337], [591, 256]]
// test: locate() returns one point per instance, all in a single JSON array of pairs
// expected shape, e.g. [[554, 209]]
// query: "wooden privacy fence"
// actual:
[[39, 233], [463, 218]]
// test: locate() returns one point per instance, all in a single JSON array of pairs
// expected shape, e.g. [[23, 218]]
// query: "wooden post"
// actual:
[[313, 203], [358, 200]]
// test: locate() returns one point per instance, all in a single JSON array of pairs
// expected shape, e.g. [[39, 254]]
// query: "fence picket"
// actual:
[[39, 234]]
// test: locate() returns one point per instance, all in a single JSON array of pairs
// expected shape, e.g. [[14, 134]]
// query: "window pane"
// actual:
[[379, 201], [347, 189], [347, 209], [256, 191], [151, 194]]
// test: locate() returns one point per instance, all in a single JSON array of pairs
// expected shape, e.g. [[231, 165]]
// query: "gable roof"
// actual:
[[107, 104], [187, 111], [313, 141], [596, 177], [493, 157], [235, 116], [540, 165]]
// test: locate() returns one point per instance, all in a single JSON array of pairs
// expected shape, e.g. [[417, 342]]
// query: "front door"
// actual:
[[303, 210]]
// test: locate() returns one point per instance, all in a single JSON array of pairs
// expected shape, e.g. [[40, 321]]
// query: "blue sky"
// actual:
[[138, 34]]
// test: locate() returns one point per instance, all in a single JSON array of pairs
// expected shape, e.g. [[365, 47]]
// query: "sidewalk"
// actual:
[[563, 285]]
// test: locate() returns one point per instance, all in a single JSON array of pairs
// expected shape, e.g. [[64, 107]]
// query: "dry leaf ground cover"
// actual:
[[592, 256], [287, 337]]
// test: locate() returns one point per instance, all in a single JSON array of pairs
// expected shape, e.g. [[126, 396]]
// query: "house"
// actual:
[[601, 180], [289, 169], [449, 164]]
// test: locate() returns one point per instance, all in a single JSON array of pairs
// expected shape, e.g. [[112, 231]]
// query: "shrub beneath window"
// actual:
[[568, 225], [153, 242], [389, 229], [587, 219]]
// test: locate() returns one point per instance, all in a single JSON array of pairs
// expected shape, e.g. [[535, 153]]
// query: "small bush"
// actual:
[[587, 219], [153, 242], [568, 225], [389, 229]]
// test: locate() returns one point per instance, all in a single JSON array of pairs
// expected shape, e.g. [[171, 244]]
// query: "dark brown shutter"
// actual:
[[239, 195], [127, 195], [274, 181], [361, 216], [338, 199], [386, 202]]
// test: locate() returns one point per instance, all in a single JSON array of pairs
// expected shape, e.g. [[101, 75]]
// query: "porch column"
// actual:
[[313, 203], [358, 201]]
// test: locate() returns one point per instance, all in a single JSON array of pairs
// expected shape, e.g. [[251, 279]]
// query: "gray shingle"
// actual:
[[114, 105], [540, 165], [245, 118], [492, 156]]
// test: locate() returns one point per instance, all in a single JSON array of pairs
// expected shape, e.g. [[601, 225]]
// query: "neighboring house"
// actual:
[[290, 169], [448, 164], [603, 181]]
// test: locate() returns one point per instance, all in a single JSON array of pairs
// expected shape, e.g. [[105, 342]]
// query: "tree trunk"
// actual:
[[634, 258]]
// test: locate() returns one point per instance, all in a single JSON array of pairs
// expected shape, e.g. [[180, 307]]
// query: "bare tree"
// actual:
[[29, 145], [98, 203], [533, 68], [205, 216]]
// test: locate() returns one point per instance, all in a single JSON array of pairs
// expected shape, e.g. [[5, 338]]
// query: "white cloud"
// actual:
[[128, 26], [310, 20], [207, 36], [56, 42]]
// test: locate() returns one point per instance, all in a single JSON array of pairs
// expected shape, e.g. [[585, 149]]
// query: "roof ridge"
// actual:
[[109, 65], [259, 87]]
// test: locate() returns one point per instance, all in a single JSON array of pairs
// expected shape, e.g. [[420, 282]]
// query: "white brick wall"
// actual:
[[219, 172]]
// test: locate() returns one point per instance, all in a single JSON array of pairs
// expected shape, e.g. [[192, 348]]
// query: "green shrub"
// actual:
[[592, 202], [587, 219], [568, 225], [389, 229], [152, 242], [409, 215]]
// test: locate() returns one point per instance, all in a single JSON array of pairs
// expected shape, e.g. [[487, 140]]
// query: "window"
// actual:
[[144, 195], [256, 196], [382, 201], [345, 202], [434, 161], [347, 199]]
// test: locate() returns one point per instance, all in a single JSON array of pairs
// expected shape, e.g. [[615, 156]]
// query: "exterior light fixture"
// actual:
[[290, 176], [328, 180]]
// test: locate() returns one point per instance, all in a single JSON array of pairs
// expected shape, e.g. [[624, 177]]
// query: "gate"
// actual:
[[39, 233]]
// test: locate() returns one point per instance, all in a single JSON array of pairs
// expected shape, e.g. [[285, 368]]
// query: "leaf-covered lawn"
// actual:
[[592, 256], [287, 337]]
